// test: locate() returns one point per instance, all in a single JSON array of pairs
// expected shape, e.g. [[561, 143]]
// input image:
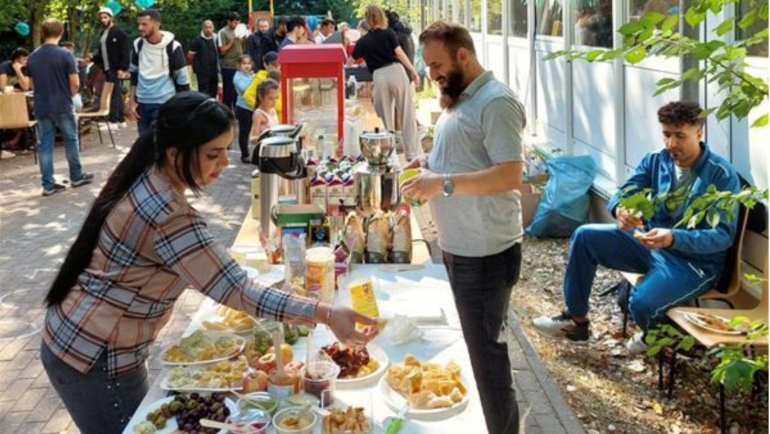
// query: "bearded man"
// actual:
[[470, 179]]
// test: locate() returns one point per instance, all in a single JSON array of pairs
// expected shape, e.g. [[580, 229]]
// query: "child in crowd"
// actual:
[[271, 65], [242, 80], [265, 116]]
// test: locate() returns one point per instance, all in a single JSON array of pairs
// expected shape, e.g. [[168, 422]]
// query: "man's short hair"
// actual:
[[453, 36], [52, 28], [292, 23], [681, 113], [328, 22], [280, 21], [233, 17], [152, 14], [19, 52], [270, 57], [67, 44]]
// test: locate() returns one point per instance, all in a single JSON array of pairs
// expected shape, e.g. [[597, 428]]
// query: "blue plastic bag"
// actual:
[[566, 203]]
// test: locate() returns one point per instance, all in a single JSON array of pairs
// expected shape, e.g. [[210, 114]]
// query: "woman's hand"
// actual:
[[342, 322]]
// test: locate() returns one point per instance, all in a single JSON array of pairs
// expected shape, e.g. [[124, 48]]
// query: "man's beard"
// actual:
[[450, 94], [107, 24]]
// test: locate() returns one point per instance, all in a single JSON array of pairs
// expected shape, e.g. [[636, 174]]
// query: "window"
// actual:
[[475, 10], [461, 11], [549, 14], [593, 23], [758, 50], [637, 8], [495, 17], [517, 25]]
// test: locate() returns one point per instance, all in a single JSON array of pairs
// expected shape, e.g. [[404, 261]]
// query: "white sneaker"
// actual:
[[6, 154], [123, 125], [636, 344]]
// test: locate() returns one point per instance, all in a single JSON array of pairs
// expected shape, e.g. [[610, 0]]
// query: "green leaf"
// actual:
[[650, 19], [713, 218], [593, 54], [669, 23], [761, 121], [636, 55], [726, 26], [630, 29], [748, 19], [693, 17]]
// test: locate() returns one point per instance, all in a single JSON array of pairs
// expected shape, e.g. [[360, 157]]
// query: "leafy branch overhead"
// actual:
[[711, 206], [654, 34]]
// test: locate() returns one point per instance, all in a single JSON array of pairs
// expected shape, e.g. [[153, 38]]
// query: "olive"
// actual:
[[194, 395]]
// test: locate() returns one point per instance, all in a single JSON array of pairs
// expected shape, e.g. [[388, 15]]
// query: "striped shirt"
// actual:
[[152, 246]]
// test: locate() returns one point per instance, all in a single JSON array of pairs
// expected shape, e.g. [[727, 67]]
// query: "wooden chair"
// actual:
[[14, 115], [710, 339], [101, 114], [728, 287]]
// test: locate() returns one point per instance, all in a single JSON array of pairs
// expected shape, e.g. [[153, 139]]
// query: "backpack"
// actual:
[[169, 53]]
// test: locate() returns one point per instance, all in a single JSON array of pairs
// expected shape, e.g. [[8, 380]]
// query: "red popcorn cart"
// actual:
[[313, 89]]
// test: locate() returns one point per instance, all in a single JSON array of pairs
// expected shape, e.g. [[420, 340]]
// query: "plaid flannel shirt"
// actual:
[[152, 246]]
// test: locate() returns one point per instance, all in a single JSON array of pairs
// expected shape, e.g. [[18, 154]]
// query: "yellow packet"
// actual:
[[363, 300]]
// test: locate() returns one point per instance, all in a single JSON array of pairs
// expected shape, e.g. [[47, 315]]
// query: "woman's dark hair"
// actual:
[[19, 52], [681, 113], [186, 122]]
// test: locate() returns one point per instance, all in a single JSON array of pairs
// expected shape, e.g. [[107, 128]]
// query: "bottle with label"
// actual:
[[363, 300]]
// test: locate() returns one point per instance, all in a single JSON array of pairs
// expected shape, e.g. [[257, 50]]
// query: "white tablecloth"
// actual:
[[441, 342]]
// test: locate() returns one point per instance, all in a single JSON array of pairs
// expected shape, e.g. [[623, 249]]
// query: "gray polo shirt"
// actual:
[[483, 129]]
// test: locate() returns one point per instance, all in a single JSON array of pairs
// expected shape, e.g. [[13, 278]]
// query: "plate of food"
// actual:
[[201, 348], [224, 376], [432, 390], [176, 414], [714, 323], [357, 367], [346, 420], [227, 320]]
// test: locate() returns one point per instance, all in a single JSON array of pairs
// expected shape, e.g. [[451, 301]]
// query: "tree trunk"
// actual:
[[74, 23], [36, 19]]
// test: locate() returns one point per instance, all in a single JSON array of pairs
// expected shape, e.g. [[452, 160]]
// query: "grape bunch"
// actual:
[[197, 407]]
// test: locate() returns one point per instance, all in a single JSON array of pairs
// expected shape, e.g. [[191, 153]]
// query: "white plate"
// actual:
[[171, 425], [213, 335], [165, 386], [214, 316], [396, 402], [376, 353], [696, 319]]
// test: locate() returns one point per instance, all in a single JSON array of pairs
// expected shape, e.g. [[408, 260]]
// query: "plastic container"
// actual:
[[321, 380], [258, 400], [319, 273], [295, 421], [252, 421]]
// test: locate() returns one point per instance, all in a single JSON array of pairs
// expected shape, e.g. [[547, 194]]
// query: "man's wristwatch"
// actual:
[[448, 190]]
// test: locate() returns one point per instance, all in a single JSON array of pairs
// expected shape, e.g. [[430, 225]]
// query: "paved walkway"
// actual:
[[36, 233]]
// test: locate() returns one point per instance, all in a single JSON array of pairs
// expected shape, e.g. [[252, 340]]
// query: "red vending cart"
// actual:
[[312, 88]]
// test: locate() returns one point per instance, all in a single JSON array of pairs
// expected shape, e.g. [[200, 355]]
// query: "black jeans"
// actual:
[[208, 85], [117, 114], [244, 129], [482, 290], [98, 404], [229, 95]]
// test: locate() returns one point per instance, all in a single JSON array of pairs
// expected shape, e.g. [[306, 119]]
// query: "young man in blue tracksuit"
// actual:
[[158, 70], [679, 264]]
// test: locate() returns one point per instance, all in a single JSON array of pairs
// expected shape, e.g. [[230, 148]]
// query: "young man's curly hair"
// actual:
[[680, 113]]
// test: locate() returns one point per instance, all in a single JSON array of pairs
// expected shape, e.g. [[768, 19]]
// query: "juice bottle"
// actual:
[[363, 300]]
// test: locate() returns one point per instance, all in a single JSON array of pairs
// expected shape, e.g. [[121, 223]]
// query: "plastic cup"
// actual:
[[321, 381], [405, 176]]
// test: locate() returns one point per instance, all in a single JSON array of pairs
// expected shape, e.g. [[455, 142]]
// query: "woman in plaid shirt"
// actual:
[[141, 245]]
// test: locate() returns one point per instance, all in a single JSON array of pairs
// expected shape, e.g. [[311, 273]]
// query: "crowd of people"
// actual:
[[116, 288]]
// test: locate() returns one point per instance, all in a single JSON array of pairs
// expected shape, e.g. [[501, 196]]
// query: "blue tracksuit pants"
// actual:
[[670, 280]]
